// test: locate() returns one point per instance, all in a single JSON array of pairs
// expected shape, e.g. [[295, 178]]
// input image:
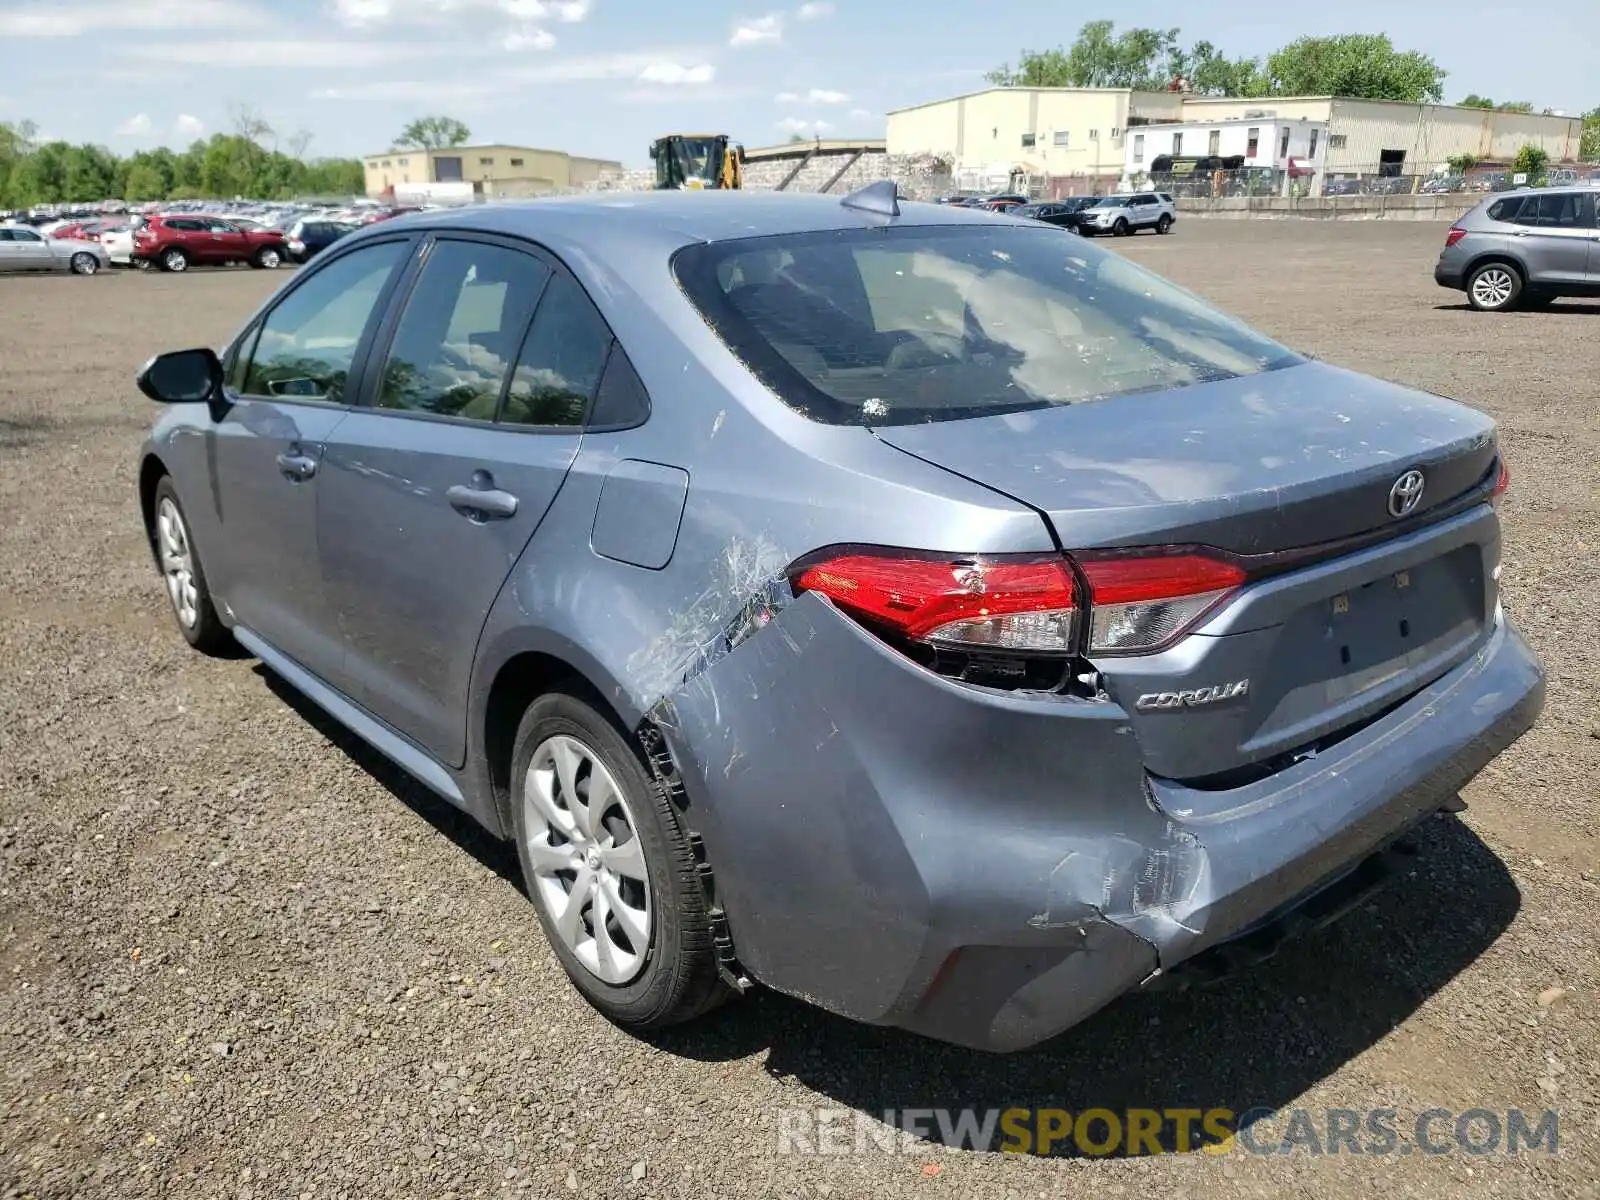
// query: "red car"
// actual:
[[174, 243]]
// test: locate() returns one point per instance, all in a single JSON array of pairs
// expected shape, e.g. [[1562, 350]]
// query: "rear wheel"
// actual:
[[84, 263], [183, 575], [1164, 225], [174, 260], [609, 869], [1494, 287], [267, 258]]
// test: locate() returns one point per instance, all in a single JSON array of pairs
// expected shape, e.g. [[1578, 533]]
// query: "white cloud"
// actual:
[[747, 31], [801, 125], [138, 125], [814, 11], [814, 96], [861, 113], [364, 13], [70, 20], [187, 126], [530, 38], [623, 65], [285, 53], [668, 72]]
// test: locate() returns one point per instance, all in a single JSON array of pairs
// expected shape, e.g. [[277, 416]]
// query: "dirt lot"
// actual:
[[240, 956]]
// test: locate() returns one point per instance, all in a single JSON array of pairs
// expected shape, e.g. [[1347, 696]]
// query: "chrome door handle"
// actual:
[[297, 466], [482, 503]]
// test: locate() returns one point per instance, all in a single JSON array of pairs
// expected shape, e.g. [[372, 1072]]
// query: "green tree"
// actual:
[[1473, 100], [1365, 66], [432, 133], [1590, 148], [1531, 161]]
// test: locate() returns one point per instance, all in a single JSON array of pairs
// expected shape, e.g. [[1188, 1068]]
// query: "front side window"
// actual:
[[937, 323], [308, 342], [559, 367], [25, 235], [460, 330]]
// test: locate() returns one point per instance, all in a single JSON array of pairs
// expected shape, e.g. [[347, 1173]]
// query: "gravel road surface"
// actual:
[[241, 956]]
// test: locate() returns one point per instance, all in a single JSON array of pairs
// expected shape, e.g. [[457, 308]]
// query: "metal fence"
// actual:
[[1197, 180]]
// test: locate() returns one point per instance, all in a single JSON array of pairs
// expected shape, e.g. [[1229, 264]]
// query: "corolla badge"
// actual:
[[1406, 493], [1194, 697]]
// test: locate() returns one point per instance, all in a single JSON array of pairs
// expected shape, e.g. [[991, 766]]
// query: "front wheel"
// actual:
[[267, 258], [183, 575], [1164, 225], [84, 263], [1120, 229], [1494, 287], [609, 869]]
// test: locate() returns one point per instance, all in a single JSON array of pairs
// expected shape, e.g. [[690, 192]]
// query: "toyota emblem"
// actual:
[[1406, 493]]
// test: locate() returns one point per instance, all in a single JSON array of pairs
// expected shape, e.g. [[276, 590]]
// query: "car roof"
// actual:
[[677, 218]]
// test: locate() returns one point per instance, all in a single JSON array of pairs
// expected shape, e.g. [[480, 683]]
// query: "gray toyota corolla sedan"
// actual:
[[905, 608]]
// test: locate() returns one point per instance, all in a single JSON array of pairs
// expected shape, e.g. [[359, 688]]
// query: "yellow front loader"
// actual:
[[697, 160]]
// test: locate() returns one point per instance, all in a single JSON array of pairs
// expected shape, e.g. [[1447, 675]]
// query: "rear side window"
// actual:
[[937, 323], [560, 365], [460, 330], [308, 342], [1505, 210]]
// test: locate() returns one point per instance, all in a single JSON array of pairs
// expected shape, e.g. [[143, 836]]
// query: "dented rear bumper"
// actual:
[[990, 868]]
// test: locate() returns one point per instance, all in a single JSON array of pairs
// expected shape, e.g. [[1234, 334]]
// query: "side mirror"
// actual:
[[182, 377], [652, 151]]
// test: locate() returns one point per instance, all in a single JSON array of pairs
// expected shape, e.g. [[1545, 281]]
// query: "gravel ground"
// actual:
[[240, 956]]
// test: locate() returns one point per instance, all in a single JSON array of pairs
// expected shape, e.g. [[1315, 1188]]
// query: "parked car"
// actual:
[[25, 249], [1125, 214], [737, 599], [1067, 213], [1524, 249], [174, 243], [118, 242], [308, 238]]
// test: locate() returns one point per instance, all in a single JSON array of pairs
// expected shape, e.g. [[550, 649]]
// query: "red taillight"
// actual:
[[1501, 483], [996, 603], [1140, 601], [1454, 236]]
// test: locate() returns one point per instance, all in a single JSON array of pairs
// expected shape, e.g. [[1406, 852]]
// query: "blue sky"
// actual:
[[603, 77]]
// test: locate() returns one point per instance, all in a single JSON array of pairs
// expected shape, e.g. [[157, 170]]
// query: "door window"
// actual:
[[1559, 210], [308, 342], [460, 331], [25, 235], [559, 367]]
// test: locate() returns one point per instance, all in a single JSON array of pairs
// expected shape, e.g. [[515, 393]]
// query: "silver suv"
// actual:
[[1129, 213], [1526, 248]]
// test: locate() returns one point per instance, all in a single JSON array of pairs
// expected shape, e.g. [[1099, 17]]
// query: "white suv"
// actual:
[[1130, 213]]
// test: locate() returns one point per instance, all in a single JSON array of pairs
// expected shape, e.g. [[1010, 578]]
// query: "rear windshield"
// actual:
[[910, 324]]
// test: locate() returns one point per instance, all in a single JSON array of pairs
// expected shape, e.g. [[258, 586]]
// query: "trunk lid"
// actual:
[[1276, 461], [1291, 459]]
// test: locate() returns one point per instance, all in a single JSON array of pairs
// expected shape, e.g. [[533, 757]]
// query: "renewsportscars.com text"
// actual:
[[1146, 1131]]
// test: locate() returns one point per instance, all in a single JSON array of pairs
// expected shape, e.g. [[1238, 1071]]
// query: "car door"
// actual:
[[8, 250], [1145, 209], [286, 392], [1554, 236], [437, 482], [30, 251], [228, 242]]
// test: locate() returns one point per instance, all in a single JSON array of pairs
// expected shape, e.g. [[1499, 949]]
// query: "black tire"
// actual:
[[174, 259], [84, 263], [1494, 287], [1164, 225], [679, 979], [206, 633], [1120, 229], [268, 258]]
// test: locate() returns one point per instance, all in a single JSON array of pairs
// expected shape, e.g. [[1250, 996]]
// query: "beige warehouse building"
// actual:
[[494, 171], [1075, 136]]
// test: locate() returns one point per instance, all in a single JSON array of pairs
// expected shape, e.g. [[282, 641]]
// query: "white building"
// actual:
[[1297, 148], [1069, 140]]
